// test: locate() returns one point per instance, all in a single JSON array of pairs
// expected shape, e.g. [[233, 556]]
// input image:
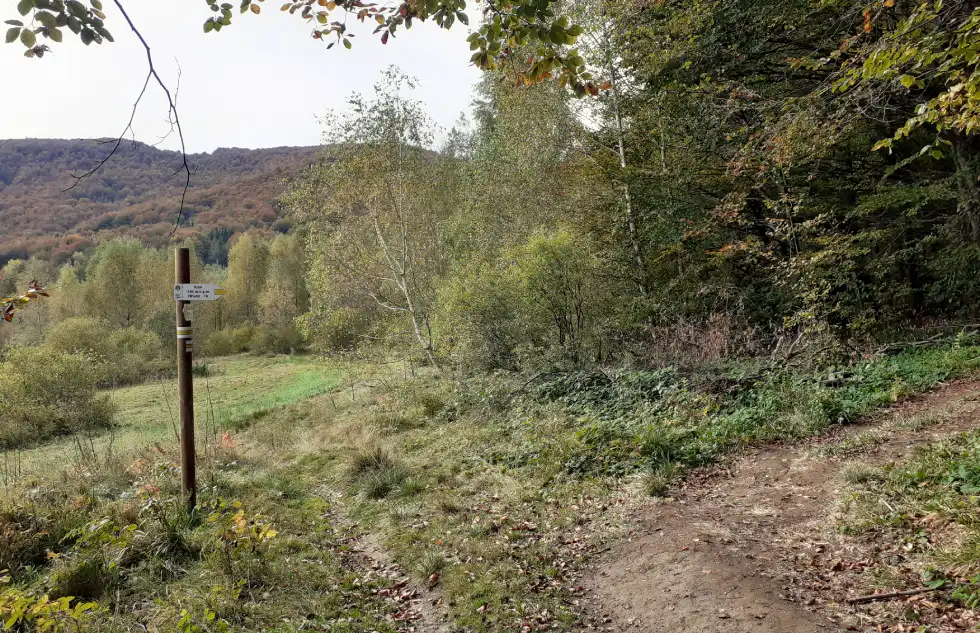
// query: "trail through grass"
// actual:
[[493, 491]]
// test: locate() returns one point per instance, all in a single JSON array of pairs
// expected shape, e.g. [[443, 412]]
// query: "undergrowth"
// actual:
[[117, 551], [930, 506], [494, 492], [514, 478], [618, 423]]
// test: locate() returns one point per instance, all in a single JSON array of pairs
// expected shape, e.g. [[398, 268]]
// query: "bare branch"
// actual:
[[117, 142], [172, 116]]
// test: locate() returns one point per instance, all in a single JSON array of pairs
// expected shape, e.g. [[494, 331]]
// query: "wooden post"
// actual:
[[185, 386]]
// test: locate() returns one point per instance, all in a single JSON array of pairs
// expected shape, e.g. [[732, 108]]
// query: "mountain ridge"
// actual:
[[136, 193]]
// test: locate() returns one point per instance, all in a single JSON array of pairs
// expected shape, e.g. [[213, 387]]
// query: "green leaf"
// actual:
[[462, 17], [27, 38], [24, 6], [47, 19], [77, 8], [346, 43], [14, 22], [97, 4], [882, 144], [55, 34], [88, 36], [12, 34], [209, 26], [907, 80]]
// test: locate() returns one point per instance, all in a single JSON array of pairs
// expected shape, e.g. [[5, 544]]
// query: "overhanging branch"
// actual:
[[172, 116]]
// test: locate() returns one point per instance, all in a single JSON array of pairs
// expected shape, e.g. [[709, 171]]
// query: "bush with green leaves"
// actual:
[[544, 300], [44, 393], [124, 356]]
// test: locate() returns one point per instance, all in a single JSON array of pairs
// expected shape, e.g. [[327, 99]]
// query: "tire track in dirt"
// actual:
[[711, 561]]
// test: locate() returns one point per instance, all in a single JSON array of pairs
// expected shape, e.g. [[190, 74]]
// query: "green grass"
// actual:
[[241, 390], [263, 553], [493, 491], [510, 491], [930, 507]]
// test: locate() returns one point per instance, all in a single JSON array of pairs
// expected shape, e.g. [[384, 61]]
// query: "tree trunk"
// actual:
[[627, 197], [399, 270], [968, 204]]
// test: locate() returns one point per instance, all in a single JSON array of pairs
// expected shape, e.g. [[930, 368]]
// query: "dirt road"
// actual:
[[717, 558]]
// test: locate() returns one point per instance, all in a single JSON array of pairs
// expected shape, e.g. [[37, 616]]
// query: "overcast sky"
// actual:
[[259, 83]]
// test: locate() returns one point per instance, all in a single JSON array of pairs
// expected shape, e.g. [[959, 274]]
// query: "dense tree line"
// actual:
[[747, 176], [752, 175], [135, 195], [115, 305]]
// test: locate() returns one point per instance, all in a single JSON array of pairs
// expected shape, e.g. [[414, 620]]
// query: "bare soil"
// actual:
[[723, 556]]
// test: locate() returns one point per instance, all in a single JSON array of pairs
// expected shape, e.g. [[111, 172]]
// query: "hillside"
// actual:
[[135, 193]]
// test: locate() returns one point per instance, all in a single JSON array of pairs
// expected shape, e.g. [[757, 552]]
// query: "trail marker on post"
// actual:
[[184, 293], [197, 292], [185, 383]]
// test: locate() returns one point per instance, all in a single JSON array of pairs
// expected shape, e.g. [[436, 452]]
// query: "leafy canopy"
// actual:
[[529, 31]]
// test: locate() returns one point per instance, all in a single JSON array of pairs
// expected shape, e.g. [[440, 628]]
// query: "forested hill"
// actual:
[[134, 193]]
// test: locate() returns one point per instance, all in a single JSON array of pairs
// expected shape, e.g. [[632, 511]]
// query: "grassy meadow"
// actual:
[[492, 492], [235, 391]]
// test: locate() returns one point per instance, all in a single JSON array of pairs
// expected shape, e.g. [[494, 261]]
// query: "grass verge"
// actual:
[[511, 485], [925, 514]]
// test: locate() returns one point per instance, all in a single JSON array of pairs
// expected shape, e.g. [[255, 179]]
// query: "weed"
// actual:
[[861, 474], [402, 513], [203, 370], [430, 564], [376, 472], [84, 577], [448, 504], [853, 444], [656, 480], [411, 486]]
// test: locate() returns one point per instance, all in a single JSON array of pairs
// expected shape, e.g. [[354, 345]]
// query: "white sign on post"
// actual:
[[197, 292]]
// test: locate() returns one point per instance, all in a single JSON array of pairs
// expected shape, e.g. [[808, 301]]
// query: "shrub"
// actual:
[[228, 342], [43, 393], [219, 343], [268, 340], [125, 356], [136, 355], [23, 611], [543, 300], [85, 335]]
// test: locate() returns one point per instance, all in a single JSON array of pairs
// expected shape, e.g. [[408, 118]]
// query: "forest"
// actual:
[[701, 314], [47, 213]]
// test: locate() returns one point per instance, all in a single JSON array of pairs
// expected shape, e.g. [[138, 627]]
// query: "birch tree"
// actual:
[[372, 212]]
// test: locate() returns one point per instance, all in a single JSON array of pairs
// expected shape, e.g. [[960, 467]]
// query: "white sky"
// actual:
[[258, 83]]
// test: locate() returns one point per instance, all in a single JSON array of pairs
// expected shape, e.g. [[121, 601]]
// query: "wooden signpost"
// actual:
[[184, 293]]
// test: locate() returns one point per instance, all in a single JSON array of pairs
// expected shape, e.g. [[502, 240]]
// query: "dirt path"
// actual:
[[419, 608], [714, 559]]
